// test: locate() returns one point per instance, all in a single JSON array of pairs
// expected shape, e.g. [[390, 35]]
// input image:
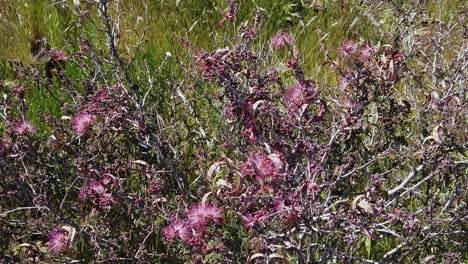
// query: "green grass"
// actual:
[[318, 30]]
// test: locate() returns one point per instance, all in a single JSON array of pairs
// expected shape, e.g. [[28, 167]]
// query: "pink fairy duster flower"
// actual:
[[348, 48], [58, 241], [300, 94], [365, 52], [261, 165], [200, 214], [96, 187], [82, 121], [282, 39], [176, 229], [23, 128], [293, 98], [107, 179], [214, 212]]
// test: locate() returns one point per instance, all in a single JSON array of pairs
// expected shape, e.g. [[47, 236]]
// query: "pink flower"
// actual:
[[107, 179], [57, 55], [96, 187], [214, 213], [348, 48], [23, 128], [366, 52], [176, 229], [261, 165], [200, 214], [300, 94], [293, 98], [82, 121], [282, 39], [251, 220], [58, 241]]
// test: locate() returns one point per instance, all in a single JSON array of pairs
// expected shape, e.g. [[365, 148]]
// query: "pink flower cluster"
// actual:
[[211, 65], [282, 39], [229, 14], [99, 191], [177, 229], [82, 122], [23, 128], [349, 48], [261, 166], [200, 214], [57, 55], [299, 94], [59, 241], [193, 230]]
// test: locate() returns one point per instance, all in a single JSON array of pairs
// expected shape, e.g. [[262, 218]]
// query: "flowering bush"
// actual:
[[299, 171]]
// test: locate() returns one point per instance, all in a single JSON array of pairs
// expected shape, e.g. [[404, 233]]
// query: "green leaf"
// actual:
[[368, 247]]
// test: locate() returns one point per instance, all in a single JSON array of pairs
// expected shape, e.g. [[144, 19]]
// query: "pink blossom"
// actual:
[[348, 48], [96, 187], [293, 98], [251, 220], [282, 39], [176, 229], [366, 52], [300, 94], [82, 121], [200, 214], [214, 213], [107, 179], [261, 165], [58, 241], [23, 127], [57, 55]]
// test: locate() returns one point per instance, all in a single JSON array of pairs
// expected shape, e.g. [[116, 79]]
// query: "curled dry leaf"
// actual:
[[361, 202]]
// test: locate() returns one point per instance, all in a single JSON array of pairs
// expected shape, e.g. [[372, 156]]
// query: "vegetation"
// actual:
[[253, 131]]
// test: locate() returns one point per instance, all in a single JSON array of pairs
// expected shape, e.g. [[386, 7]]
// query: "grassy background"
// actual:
[[319, 26], [327, 24]]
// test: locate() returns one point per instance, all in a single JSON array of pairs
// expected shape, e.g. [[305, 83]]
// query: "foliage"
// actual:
[[232, 151]]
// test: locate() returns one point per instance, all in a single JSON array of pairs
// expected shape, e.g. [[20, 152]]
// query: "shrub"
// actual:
[[368, 172]]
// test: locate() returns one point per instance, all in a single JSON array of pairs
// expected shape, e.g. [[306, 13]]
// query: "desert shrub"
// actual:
[[240, 156]]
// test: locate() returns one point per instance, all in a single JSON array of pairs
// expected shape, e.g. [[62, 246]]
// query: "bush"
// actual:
[[247, 159]]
